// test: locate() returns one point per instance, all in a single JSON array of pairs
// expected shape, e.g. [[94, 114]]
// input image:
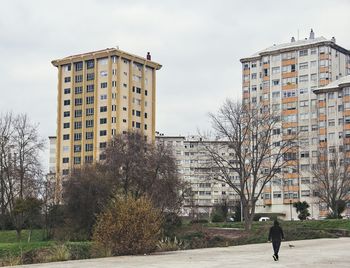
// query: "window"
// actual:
[[88, 159], [65, 160], [89, 111], [313, 77], [78, 113], [103, 97], [78, 101], [305, 154], [289, 93], [67, 67], [89, 135], [277, 194], [289, 81], [65, 171], [276, 131], [66, 125], [304, 128], [303, 53], [103, 145], [66, 102], [104, 85], [90, 100], [66, 114], [90, 64], [77, 125], [77, 136], [66, 137], [89, 88], [78, 78], [78, 90], [77, 160], [305, 193], [303, 65], [304, 103], [89, 147], [103, 109], [103, 120], [331, 122], [67, 79], [78, 66], [289, 106], [67, 91], [253, 75], [138, 125], [303, 91], [90, 76], [103, 132], [89, 123], [304, 116], [275, 70], [275, 82], [77, 148], [303, 78]]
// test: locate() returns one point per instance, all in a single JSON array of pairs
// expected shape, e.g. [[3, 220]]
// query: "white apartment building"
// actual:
[[192, 161], [282, 78]]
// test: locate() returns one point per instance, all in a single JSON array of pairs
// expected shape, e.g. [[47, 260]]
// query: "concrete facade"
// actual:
[[282, 78]]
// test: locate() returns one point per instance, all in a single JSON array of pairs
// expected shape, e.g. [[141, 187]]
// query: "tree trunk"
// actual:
[[18, 234], [30, 235]]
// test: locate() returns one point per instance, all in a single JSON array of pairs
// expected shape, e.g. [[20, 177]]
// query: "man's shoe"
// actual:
[[274, 257]]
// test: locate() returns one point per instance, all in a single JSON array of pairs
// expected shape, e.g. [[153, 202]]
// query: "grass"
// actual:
[[11, 236], [16, 249], [317, 225]]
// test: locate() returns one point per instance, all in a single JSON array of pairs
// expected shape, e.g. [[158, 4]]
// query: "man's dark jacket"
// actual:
[[276, 233]]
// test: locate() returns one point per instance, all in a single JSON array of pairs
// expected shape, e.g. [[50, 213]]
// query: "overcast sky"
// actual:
[[199, 43]]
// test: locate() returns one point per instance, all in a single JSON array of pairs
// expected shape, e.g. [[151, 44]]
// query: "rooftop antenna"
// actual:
[[116, 46]]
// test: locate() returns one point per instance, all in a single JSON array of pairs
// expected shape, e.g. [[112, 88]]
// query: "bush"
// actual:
[[128, 226], [217, 218], [171, 222], [199, 221]]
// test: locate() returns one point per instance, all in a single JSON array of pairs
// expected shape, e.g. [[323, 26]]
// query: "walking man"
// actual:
[[276, 235]]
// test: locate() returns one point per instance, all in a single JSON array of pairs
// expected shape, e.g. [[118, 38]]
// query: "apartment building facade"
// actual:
[[101, 94], [281, 79], [334, 122], [193, 160]]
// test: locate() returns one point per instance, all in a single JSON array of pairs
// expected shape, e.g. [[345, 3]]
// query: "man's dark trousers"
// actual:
[[276, 246]]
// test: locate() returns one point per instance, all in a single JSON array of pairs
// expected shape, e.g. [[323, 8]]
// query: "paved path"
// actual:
[[307, 253]]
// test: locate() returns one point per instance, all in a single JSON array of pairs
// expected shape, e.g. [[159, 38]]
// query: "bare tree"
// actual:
[[6, 182], [331, 179], [141, 168], [258, 151], [20, 168]]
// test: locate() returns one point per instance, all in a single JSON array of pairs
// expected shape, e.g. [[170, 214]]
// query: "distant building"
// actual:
[[334, 119], [282, 78], [101, 94], [192, 161]]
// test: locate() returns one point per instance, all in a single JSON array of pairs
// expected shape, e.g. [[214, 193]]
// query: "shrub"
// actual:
[[199, 221], [171, 222], [167, 244], [79, 250], [59, 253], [128, 226], [217, 218]]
